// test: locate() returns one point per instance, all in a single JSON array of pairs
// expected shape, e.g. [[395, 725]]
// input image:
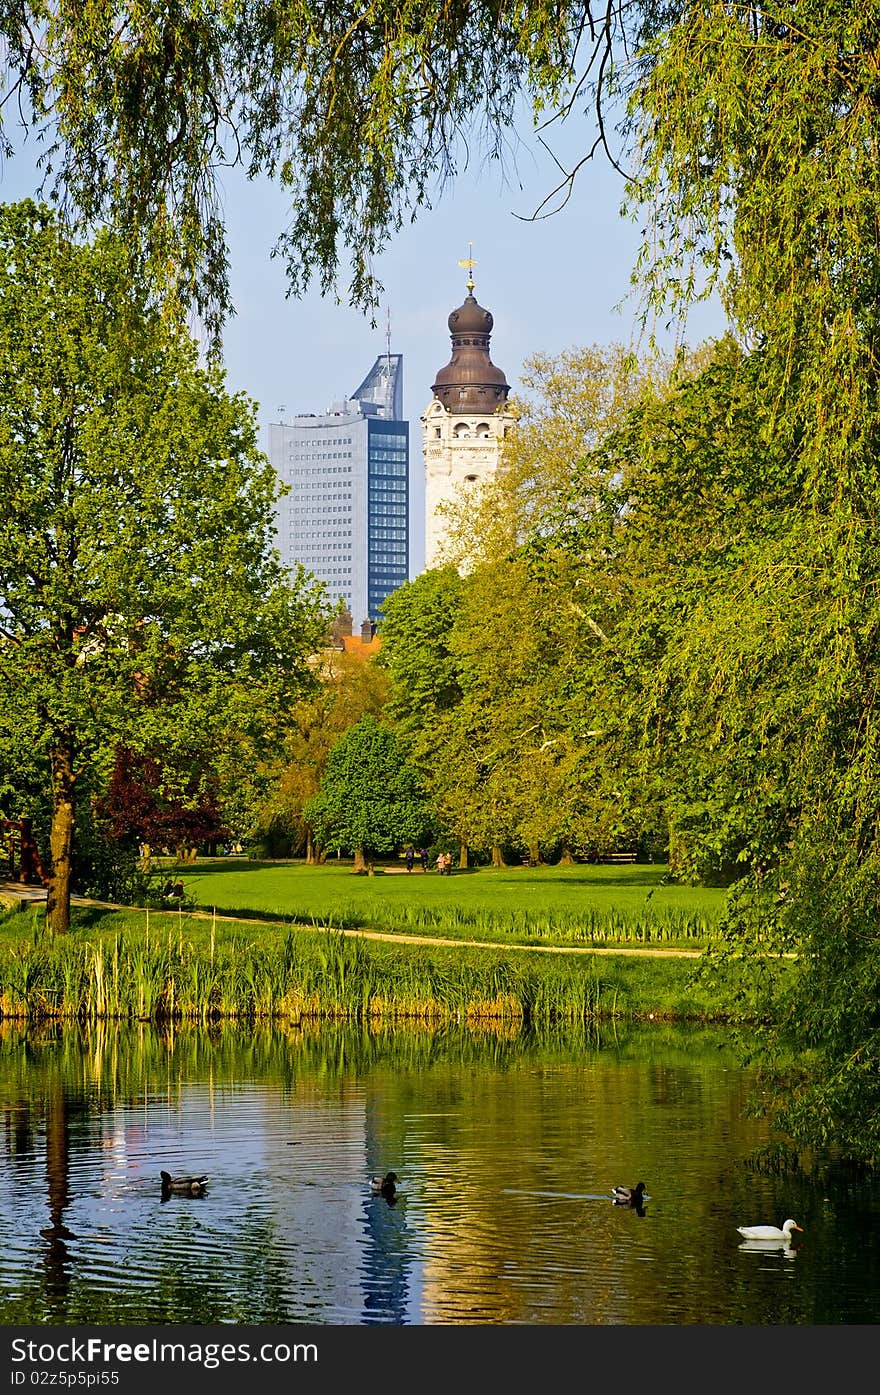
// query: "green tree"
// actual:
[[698, 673], [371, 799], [418, 619], [571, 402], [349, 688], [143, 603], [523, 754], [743, 668], [757, 131]]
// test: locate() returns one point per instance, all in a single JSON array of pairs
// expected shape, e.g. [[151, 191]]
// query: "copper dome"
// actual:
[[470, 382], [470, 318]]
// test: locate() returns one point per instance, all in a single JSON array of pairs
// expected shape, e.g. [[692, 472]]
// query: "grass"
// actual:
[[584, 904], [172, 966]]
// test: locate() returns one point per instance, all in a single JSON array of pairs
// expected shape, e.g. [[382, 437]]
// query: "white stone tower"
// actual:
[[467, 419]]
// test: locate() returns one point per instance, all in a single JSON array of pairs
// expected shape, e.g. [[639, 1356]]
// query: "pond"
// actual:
[[506, 1146]]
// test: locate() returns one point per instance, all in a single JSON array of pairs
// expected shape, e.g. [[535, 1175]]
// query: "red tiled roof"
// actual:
[[353, 644]]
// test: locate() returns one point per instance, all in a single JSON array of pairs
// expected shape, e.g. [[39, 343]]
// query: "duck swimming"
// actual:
[[385, 1186], [182, 1186], [769, 1232], [629, 1196]]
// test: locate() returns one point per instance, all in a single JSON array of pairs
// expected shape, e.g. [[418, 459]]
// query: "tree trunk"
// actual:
[[534, 855], [61, 838], [463, 857], [497, 856], [360, 861], [565, 857]]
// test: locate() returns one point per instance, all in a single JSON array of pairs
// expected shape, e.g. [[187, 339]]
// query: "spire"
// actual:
[[468, 264]]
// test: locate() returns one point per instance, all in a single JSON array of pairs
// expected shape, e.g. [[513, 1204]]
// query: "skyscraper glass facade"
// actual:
[[387, 510], [346, 516]]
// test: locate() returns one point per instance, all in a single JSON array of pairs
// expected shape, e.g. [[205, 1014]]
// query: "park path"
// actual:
[[37, 894]]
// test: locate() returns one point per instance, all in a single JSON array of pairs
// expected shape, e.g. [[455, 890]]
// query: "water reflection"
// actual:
[[637, 1206], [386, 1261], [764, 1247], [56, 1258], [503, 1213]]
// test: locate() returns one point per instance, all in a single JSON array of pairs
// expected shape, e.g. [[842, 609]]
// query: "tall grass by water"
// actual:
[[591, 926], [135, 966]]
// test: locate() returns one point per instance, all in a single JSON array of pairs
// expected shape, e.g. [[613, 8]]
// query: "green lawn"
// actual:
[[583, 902]]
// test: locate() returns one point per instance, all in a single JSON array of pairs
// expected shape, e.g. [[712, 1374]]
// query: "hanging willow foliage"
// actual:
[[361, 111], [756, 129]]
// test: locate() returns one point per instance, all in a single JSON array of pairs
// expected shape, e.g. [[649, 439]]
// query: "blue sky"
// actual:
[[551, 285]]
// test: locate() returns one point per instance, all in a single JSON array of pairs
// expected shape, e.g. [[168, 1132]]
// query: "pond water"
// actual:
[[506, 1150]]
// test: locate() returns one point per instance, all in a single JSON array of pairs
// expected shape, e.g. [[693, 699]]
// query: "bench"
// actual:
[[620, 857]]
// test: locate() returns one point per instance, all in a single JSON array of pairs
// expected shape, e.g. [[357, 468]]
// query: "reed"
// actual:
[[187, 969]]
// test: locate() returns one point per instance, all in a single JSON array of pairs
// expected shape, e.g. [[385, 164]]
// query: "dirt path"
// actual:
[[37, 894]]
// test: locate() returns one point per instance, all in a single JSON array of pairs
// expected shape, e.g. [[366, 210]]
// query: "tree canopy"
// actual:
[[371, 799], [497, 674], [349, 687], [142, 600], [747, 135]]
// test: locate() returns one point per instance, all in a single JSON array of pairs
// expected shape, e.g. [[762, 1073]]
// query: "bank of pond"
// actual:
[[134, 965]]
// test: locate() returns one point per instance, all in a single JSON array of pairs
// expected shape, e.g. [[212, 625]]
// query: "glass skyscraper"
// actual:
[[346, 517]]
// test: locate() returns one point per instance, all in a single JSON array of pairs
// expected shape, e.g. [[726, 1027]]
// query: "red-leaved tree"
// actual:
[[160, 807]]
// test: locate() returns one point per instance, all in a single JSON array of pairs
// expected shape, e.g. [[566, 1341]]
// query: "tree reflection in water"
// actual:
[[56, 1259]]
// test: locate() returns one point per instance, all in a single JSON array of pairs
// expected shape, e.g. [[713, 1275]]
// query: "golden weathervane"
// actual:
[[469, 265]]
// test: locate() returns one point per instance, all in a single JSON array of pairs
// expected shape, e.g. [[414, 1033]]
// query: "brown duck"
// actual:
[[182, 1186]]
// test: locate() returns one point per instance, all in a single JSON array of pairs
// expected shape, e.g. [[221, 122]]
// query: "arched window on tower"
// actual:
[[482, 430], [460, 430]]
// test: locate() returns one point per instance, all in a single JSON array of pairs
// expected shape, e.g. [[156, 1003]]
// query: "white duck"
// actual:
[[769, 1232]]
